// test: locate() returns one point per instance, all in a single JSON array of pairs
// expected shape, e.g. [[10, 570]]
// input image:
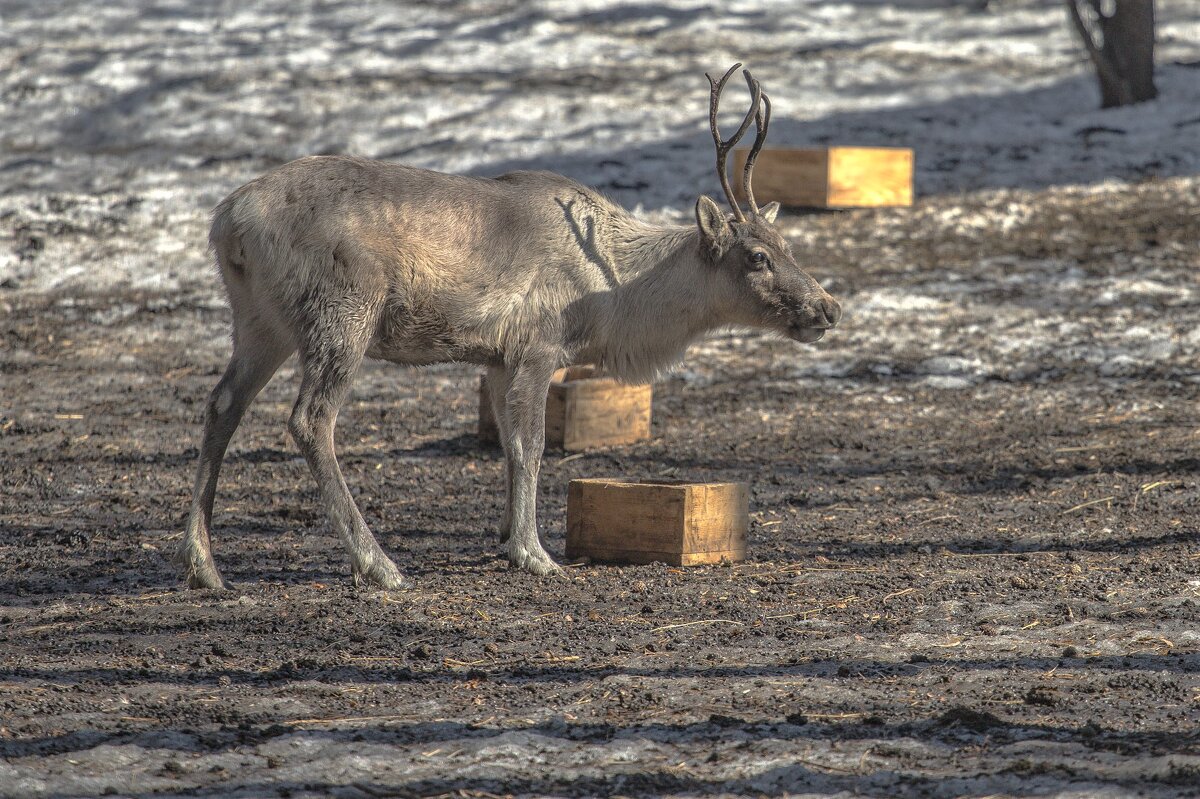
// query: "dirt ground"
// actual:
[[973, 569]]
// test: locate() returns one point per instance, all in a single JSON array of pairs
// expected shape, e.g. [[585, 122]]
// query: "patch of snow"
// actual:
[[169, 112]]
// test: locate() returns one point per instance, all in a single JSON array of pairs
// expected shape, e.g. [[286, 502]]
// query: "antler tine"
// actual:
[[725, 145], [762, 121]]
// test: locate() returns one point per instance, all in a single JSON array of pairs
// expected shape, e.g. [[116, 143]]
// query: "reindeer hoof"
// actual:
[[380, 574], [535, 562], [210, 581], [205, 579], [198, 570]]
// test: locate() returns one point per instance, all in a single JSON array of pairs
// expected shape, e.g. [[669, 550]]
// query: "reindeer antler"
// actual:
[[724, 146], [762, 119]]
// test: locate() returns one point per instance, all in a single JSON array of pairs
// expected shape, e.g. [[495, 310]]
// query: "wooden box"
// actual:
[[583, 411], [680, 524], [829, 177]]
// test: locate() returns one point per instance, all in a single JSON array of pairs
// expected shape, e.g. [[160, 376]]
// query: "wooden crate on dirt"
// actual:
[[829, 177], [583, 410], [680, 524]]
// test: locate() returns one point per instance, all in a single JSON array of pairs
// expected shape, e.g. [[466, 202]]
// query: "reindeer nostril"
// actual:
[[832, 310]]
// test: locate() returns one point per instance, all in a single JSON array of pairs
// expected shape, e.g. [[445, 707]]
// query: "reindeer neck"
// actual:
[[664, 299]]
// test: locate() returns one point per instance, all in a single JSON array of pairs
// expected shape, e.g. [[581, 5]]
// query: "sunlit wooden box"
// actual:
[[829, 177], [583, 411], [680, 524]]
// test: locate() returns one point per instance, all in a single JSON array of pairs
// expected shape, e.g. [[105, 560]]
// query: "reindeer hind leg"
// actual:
[[257, 354], [329, 361]]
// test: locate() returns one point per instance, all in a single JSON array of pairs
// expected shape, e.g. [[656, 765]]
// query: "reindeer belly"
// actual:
[[420, 336]]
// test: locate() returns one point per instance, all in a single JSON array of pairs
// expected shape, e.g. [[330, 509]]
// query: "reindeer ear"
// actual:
[[769, 212], [714, 226]]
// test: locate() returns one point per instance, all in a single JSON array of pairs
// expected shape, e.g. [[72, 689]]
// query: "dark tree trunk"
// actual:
[[1124, 52]]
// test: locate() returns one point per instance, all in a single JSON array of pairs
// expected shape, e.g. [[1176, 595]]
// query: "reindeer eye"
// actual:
[[759, 259]]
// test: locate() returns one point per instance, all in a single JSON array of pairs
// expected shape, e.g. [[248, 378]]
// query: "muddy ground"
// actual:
[[973, 569]]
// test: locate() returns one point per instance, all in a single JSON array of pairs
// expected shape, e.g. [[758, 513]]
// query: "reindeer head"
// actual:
[[770, 290]]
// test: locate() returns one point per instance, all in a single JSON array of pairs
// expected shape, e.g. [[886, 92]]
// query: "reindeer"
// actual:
[[341, 258]]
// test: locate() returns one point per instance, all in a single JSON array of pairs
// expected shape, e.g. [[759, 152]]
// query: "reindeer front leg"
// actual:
[[497, 382], [524, 440]]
